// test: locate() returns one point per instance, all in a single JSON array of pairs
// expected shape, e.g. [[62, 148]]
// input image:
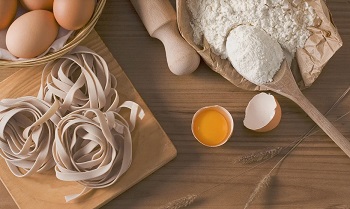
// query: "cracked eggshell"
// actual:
[[263, 113], [212, 126]]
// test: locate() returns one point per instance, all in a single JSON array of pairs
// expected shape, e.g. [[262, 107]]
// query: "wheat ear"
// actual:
[[180, 203], [263, 184], [260, 155], [310, 132]]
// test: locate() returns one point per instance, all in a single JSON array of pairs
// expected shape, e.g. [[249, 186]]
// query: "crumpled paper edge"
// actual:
[[307, 64], [321, 45]]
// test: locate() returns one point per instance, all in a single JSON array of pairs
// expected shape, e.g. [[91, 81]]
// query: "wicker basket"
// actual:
[[73, 42]]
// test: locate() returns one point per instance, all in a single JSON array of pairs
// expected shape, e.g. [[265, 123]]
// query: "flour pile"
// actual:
[[254, 54], [286, 21]]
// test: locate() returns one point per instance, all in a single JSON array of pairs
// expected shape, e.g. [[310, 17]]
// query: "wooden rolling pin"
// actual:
[[159, 18]]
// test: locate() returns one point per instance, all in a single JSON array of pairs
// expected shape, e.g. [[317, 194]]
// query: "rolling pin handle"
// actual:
[[159, 18], [181, 57]]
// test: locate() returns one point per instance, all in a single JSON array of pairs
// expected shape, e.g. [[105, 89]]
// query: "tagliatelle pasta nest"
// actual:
[[90, 144], [94, 148], [27, 133], [78, 80]]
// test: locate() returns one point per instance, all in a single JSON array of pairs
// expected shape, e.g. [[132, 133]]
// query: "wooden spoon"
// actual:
[[285, 85]]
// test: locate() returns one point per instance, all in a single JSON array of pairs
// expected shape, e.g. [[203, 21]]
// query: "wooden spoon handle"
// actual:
[[321, 121], [285, 85], [159, 18]]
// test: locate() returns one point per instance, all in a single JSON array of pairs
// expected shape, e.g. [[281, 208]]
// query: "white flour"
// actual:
[[254, 54], [285, 20]]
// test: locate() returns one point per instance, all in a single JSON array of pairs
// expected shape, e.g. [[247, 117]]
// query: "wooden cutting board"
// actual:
[[151, 146]]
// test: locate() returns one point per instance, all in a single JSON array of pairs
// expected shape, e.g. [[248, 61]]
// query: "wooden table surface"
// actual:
[[315, 175]]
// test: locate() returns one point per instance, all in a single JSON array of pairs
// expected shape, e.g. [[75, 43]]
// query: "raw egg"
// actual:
[[212, 126], [31, 34], [8, 9], [263, 113], [73, 15], [37, 4]]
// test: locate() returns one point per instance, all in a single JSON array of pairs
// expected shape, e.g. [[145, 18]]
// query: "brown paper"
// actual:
[[307, 64]]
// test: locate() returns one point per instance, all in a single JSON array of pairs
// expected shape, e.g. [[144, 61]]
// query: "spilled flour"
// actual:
[[286, 21]]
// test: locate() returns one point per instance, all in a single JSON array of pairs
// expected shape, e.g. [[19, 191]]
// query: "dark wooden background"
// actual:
[[315, 175]]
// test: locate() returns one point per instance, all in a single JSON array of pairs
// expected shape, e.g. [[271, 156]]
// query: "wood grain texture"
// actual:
[[284, 84], [151, 146], [315, 175]]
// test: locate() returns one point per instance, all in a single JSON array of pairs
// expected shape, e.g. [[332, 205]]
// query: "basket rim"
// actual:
[[79, 36]]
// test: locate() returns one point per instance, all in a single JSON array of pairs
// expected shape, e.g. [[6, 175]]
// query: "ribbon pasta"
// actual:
[[91, 144], [93, 148], [27, 127], [78, 80]]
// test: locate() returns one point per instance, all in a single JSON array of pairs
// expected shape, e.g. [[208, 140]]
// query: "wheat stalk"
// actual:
[[272, 152], [262, 185], [260, 155], [180, 203]]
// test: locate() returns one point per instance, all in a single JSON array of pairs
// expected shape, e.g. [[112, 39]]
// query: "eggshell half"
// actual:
[[201, 121], [263, 113], [32, 34]]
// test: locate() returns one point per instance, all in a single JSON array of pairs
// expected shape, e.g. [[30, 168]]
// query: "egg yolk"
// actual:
[[210, 127]]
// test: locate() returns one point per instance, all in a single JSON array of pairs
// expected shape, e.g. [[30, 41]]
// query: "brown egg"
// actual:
[[37, 4], [73, 14], [32, 34], [263, 113], [8, 9]]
